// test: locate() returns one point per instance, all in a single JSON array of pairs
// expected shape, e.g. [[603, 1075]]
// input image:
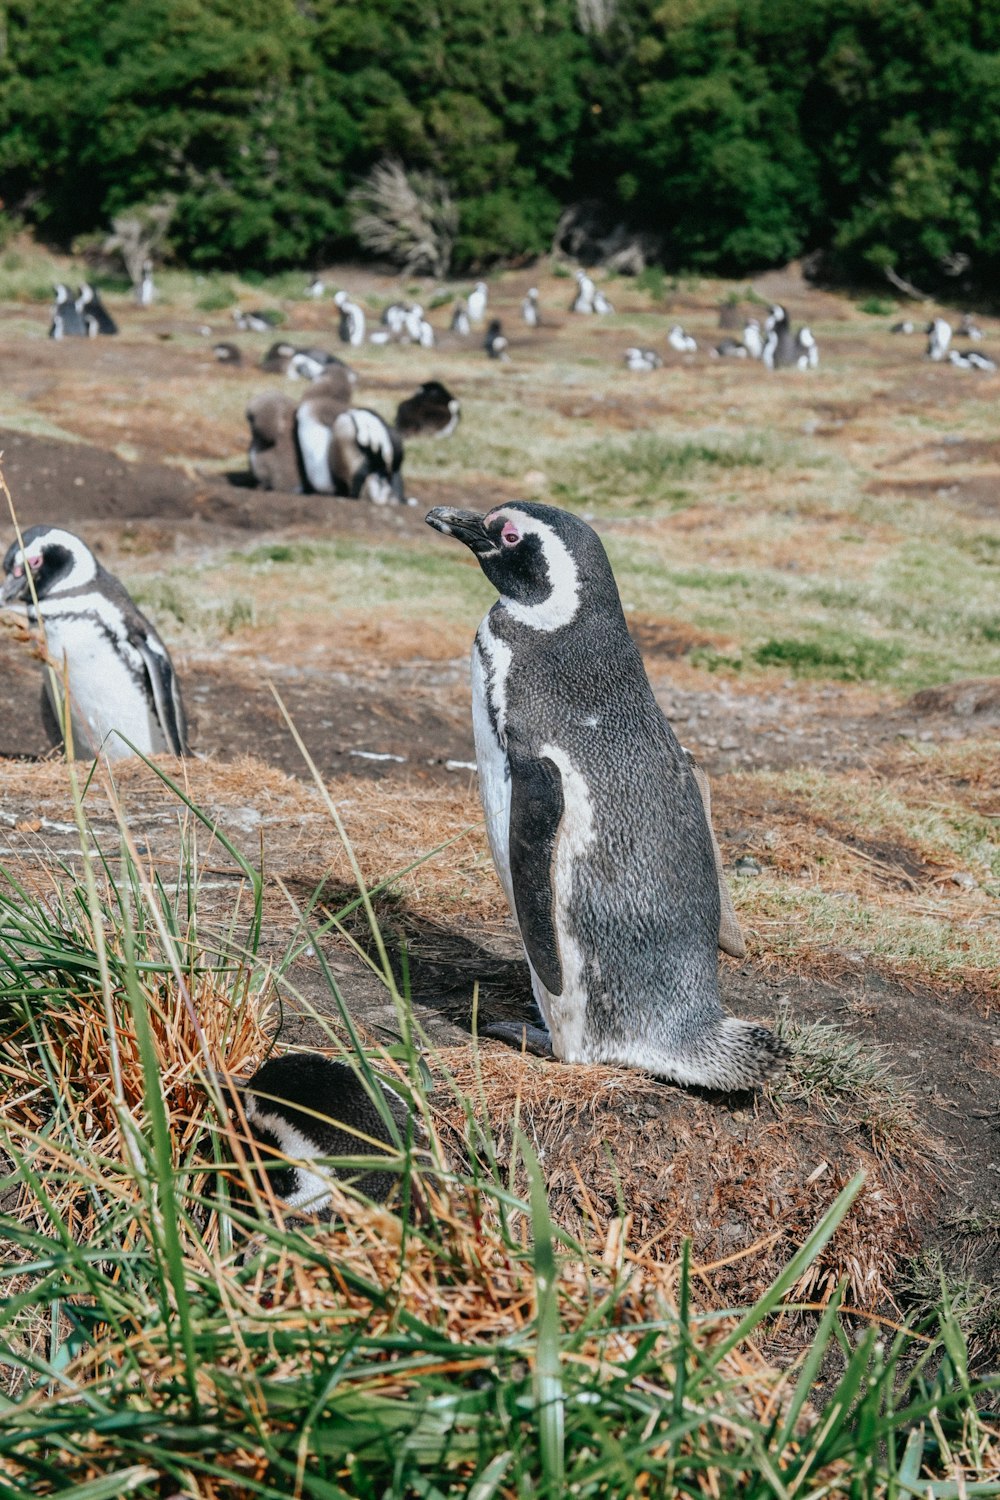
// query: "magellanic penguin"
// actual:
[[430, 412], [780, 351], [67, 321], [586, 291], [684, 343], [120, 675], [460, 324], [145, 287], [96, 318], [304, 1108], [938, 339], [348, 451], [642, 359], [594, 818], [495, 343], [601, 303], [807, 349], [475, 302], [352, 320], [272, 455], [529, 308]]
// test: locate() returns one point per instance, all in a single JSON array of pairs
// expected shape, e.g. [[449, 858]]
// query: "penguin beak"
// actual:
[[466, 525], [14, 589]]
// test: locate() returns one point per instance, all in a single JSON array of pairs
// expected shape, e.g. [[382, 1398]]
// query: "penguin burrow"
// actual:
[[120, 674], [595, 822], [308, 1107]]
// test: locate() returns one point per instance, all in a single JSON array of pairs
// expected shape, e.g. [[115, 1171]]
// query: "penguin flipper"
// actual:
[[166, 698], [536, 809]]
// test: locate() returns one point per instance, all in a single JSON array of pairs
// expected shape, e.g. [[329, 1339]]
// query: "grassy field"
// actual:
[[595, 1284]]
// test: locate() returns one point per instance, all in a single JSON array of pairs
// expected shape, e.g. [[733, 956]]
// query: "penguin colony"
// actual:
[[623, 962]]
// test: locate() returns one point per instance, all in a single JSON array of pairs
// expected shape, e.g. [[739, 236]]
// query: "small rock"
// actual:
[[729, 743], [926, 737], [745, 865], [771, 839], [963, 879]]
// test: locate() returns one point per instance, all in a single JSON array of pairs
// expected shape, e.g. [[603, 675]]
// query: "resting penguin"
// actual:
[[272, 454], [348, 451], [594, 819], [306, 1106], [120, 674], [67, 321], [352, 320], [96, 318], [432, 411]]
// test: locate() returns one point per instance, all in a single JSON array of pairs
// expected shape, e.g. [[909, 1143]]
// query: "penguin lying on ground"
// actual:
[[272, 454], [684, 343], [67, 321], [432, 412], [595, 822], [261, 320], [120, 674], [96, 318], [275, 361], [309, 1107], [227, 354], [971, 359], [642, 359], [730, 349]]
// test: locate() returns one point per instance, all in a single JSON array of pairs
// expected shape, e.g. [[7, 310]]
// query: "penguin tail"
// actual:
[[735, 1055]]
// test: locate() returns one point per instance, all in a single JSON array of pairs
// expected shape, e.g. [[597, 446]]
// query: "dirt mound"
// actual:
[[974, 697]]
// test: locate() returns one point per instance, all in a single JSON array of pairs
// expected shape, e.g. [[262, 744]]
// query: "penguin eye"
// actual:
[[510, 536]]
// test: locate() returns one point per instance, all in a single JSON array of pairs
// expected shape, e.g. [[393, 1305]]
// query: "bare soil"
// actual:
[[391, 736]]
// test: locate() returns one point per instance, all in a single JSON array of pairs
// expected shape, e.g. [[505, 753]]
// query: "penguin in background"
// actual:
[[495, 343], [476, 302], [586, 291], [938, 338], [272, 454], [460, 323], [601, 303], [594, 817], [67, 321], [145, 291], [529, 308], [97, 320], [120, 674], [227, 353], [432, 411], [807, 350], [753, 340], [642, 360], [316, 288], [352, 320], [308, 1107], [780, 350], [684, 343]]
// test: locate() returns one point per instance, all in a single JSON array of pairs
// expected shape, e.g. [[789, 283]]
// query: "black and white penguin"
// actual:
[[779, 352], [529, 308], [416, 327], [67, 321], [317, 364], [432, 411], [476, 301], [227, 354], [316, 288], [730, 349], [971, 359], [601, 303], [349, 451], [352, 320], [394, 319], [807, 349], [120, 674], [642, 359], [96, 318], [272, 455], [684, 343], [938, 338], [753, 340], [260, 320], [460, 323], [308, 1108], [586, 291], [594, 818], [969, 329], [905, 326], [495, 343], [275, 361], [145, 289]]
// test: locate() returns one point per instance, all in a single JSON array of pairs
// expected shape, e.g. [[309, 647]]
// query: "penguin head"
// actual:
[[54, 559], [543, 561]]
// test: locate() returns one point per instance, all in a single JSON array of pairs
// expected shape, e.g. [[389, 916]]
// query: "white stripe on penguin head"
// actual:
[[564, 580], [83, 568]]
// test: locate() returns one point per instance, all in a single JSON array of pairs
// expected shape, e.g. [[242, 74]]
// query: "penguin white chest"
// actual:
[[314, 445], [491, 658], [105, 684]]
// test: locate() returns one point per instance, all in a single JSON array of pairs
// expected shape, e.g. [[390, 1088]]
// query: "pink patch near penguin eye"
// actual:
[[18, 571], [510, 536], [34, 562]]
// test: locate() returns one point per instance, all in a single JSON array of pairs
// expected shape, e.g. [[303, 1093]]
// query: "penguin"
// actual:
[[227, 354], [352, 320], [906, 326], [938, 333], [683, 342], [120, 674], [752, 340], [460, 323], [780, 350], [601, 303], [272, 455], [95, 315], [495, 343], [417, 328], [969, 329], [807, 350], [730, 349], [145, 289], [529, 308], [432, 411], [67, 321], [642, 359], [594, 818], [476, 301], [317, 364], [394, 319], [316, 288], [348, 451], [275, 361], [308, 1107], [260, 320], [586, 291], [970, 359]]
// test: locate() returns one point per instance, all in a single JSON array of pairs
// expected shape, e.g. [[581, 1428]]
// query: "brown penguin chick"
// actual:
[[272, 454]]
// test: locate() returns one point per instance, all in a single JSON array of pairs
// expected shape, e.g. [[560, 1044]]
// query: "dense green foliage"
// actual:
[[742, 132]]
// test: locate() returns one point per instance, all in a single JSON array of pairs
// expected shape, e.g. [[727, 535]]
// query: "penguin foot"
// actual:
[[520, 1034]]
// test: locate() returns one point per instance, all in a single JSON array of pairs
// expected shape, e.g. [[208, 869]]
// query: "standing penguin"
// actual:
[[586, 291], [305, 1107], [595, 822], [352, 320], [272, 455], [67, 321], [96, 318], [938, 339], [780, 351], [460, 321], [476, 301], [529, 308], [495, 342], [120, 674], [145, 289]]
